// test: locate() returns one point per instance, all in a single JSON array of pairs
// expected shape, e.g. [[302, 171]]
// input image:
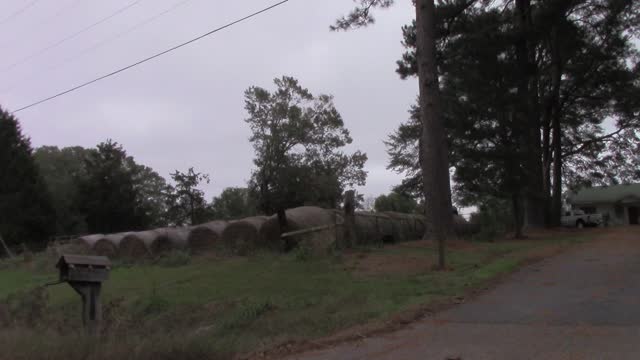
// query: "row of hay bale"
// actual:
[[259, 232], [387, 227], [302, 218], [152, 242]]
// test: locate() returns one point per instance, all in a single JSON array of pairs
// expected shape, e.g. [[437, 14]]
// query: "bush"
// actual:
[[495, 219]]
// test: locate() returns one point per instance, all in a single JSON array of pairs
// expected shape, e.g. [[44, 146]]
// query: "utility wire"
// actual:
[[97, 45], [18, 12], [44, 21], [60, 42], [153, 56]]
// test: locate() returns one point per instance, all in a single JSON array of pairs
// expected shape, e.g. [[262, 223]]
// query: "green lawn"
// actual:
[[213, 308]]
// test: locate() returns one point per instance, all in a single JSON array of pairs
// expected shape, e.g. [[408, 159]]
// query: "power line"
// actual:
[[97, 45], [44, 21], [60, 42], [18, 12], [153, 56]]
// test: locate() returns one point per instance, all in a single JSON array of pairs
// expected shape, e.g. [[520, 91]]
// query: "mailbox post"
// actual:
[[85, 275]]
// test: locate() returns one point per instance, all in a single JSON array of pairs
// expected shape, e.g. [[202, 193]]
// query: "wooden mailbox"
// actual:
[[85, 274]]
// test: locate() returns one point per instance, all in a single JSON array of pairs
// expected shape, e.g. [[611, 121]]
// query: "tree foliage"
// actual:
[[186, 203], [397, 202], [26, 211], [234, 203], [581, 74], [115, 196], [297, 139], [65, 172], [61, 169], [361, 15]]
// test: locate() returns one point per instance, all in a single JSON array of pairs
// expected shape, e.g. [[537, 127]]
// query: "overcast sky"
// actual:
[[186, 108]]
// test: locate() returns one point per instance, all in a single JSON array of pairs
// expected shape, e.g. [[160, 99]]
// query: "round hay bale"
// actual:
[[87, 241], [104, 247], [242, 236], [85, 244], [299, 218], [373, 228], [107, 245], [205, 236], [407, 227], [170, 239], [134, 245], [156, 241]]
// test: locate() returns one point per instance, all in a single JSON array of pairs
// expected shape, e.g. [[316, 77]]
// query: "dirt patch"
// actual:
[[363, 263], [456, 244]]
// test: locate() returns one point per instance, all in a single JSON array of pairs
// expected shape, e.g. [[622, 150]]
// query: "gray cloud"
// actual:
[[186, 108]]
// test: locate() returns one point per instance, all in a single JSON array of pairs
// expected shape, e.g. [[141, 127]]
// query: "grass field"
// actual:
[[206, 307]]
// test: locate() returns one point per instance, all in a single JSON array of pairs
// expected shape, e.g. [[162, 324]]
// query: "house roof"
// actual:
[[605, 194]]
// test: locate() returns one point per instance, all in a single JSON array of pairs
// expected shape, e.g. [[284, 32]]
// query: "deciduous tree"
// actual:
[[297, 139]]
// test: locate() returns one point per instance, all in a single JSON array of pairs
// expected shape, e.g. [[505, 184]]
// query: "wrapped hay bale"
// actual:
[[373, 228], [205, 236], [242, 236], [134, 245], [158, 241], [171, 239], [301, 218], [107, 245], [407, 227], [85, 244]]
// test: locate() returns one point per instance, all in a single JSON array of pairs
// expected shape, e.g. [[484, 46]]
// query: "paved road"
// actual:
[[583, 304]]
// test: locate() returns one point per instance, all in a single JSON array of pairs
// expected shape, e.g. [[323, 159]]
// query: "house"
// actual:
[[620, 203]]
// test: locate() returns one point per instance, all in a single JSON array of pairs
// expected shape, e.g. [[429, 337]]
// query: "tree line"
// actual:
[[536, 97], [297, 137]]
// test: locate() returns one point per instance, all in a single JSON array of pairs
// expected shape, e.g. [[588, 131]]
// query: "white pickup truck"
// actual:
[[579, 219]]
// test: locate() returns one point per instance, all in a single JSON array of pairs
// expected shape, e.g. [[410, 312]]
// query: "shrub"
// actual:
[[495, 218]]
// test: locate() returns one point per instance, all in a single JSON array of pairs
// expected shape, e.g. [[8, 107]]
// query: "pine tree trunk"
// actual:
[[546, 160], [435, 164], [518, 215], [528, 117], [556, 206], [557, 65]]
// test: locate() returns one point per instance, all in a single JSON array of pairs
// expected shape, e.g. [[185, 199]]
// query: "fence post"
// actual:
[[350, 237]]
